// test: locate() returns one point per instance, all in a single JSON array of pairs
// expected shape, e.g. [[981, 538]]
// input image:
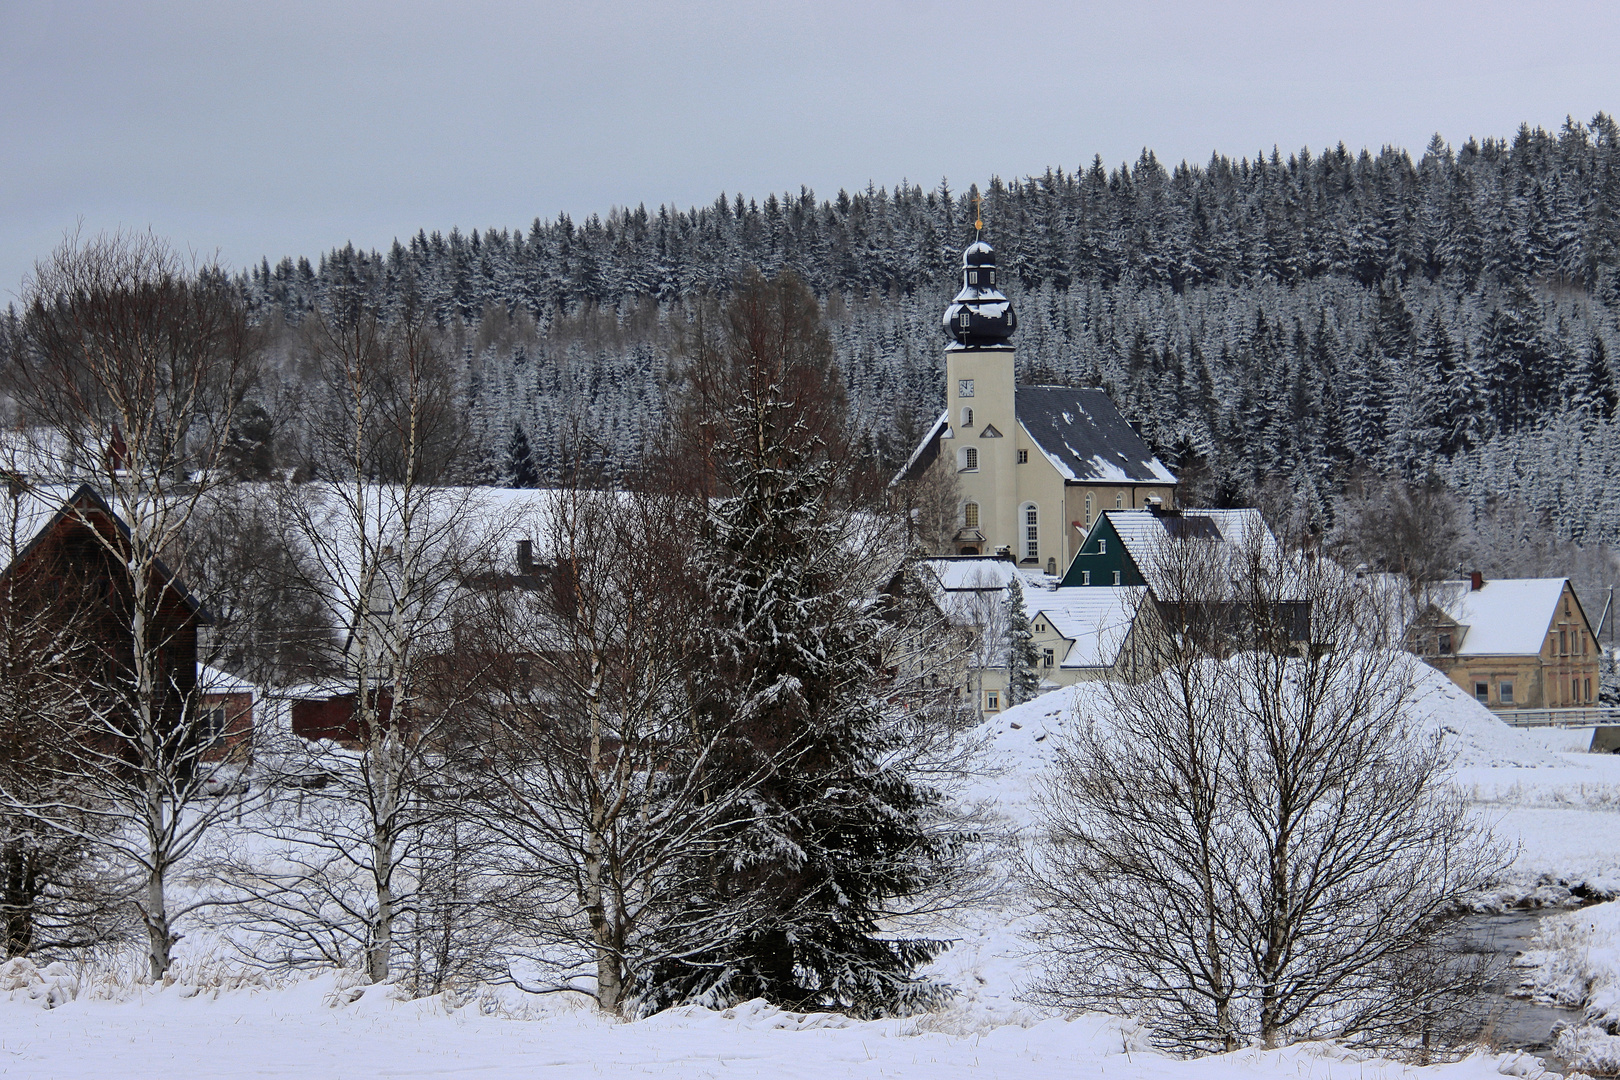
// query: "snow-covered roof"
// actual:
[[1507, 617], [926, 450], [24, 513], [1084, 437], [1096, 619], [1148, 536], [213, 680]]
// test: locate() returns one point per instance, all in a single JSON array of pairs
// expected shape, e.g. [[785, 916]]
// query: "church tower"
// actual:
[[980, 399]]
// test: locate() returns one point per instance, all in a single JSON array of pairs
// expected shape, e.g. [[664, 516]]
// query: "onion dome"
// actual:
[[981, 315]]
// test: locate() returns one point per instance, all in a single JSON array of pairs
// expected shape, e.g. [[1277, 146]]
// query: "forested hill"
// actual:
[[1292, 317]]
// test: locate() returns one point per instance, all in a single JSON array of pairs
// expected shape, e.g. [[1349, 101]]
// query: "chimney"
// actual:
[[1476, 581], [525, 557]]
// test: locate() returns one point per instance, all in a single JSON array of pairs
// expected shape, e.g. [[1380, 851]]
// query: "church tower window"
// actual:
[[970, 458], [1032, 533], [970, 515], [967, 417]]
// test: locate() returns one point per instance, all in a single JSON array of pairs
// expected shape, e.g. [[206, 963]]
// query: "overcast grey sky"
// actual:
[[271, 128]]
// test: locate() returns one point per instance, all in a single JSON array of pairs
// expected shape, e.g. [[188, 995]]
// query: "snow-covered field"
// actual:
[[1558, 804]]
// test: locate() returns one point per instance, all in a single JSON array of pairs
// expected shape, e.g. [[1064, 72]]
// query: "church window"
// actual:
[[1023, 457], [973, 277], [1119, 501], [1088, 509], [967, 418], [964, 320], [1032, 533], [970, 458], [970, 515], [964, 387]]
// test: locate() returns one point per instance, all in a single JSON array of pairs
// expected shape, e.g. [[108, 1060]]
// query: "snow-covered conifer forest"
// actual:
[[1268, 318]]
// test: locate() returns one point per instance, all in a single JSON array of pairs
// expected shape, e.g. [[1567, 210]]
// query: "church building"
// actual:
[[1034, 465]]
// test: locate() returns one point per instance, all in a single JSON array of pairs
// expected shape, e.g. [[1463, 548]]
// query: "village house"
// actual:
[[1515, 644], [60, 566]]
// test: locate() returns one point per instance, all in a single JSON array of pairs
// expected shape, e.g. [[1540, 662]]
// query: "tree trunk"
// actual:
[[380, 948], [159, 939], [609, 981]]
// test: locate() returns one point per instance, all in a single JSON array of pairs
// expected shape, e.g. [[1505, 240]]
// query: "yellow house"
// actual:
[[1034, 465], [1517, 643]]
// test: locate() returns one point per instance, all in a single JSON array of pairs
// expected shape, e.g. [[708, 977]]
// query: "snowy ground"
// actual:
[[1559, 806]]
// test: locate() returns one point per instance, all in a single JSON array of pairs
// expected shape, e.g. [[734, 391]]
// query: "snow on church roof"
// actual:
[[1083, 435]]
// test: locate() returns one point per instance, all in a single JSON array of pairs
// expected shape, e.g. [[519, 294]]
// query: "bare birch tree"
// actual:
[[388, 547], [132, 364]]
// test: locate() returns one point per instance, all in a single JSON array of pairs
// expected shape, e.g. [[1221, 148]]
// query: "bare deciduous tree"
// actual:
[[1260, 842], [389, 549], [132, 365]]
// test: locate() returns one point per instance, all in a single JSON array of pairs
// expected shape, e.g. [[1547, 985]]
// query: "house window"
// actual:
[[1040, 627], [1023, 457], [967, 417], [1445, 643], [211, 726], [1563, 642], [1102, 545], [970, 459], [970, 515], [1047, 658], [1116, 577], [1482, 692], [1085, 577], [992, 700], [1504, 692], [1588, 689], [964, 387], [1032, 533]]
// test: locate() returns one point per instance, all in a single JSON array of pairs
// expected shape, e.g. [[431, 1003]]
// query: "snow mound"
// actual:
[[1472, 732], [1019, 742]]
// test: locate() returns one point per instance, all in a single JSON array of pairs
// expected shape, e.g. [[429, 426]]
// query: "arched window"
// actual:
[[1119, 501], [967, 417], [1032, 532], [970, 515], [970, 458], [1088, 509]]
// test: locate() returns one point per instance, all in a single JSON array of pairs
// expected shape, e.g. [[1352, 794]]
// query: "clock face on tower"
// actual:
[[964, 387]]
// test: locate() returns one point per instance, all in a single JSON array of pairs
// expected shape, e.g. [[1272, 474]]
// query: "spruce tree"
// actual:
[[788, 905], [1023, 674], [520, 470]]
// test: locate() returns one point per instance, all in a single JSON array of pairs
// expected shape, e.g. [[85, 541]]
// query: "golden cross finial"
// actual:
[[978, 214]]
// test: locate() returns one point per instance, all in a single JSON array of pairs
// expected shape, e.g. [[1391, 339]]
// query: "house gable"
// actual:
[[1102, 555]]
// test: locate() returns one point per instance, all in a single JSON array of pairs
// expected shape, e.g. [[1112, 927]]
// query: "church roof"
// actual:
[[1085, 438]]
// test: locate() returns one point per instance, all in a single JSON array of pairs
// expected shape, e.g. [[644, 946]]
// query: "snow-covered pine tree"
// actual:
[[833, 828], [1023, 675]]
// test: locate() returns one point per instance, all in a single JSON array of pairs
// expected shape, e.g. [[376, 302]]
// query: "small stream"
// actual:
[[1511, 1020]]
